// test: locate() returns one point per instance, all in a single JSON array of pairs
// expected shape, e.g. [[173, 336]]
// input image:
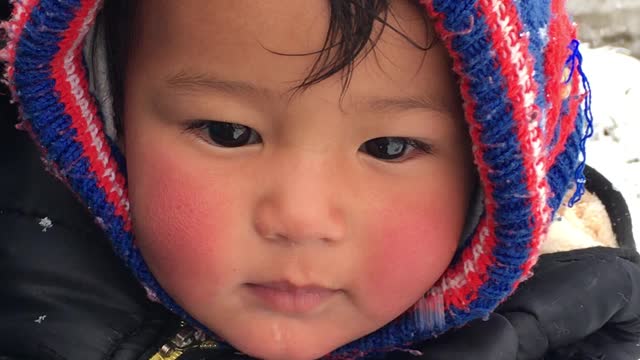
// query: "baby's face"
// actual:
[[290, 225]]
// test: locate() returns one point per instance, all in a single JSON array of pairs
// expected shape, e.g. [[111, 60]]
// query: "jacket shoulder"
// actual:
[[65, 293]]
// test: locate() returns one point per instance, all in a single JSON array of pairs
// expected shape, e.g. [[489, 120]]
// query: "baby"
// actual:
[[293, 218], [305, 178]]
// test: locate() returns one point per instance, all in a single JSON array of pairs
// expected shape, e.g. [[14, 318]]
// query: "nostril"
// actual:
[[283, 240], [291, 234], [268, 231]]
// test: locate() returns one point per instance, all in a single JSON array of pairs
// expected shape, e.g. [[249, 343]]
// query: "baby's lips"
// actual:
[[283, 296]]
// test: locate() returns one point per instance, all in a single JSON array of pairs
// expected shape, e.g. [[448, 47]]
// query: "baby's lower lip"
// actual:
[[291, 299]]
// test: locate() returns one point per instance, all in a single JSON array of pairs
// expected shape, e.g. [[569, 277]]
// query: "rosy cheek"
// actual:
[[178, 220], [409, 251]]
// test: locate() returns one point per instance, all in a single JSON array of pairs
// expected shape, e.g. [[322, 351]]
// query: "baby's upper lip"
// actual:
[[288, 286]]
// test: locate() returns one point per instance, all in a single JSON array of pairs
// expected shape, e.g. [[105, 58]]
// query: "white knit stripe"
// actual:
[[459, 280]]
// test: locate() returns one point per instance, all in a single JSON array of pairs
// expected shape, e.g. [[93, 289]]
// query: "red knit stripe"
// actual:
[[88, 126], [555, 55], [558, 52], [567, 122]]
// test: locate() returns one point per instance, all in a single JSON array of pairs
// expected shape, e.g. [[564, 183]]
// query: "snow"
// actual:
[[46, 224], [614, 149]]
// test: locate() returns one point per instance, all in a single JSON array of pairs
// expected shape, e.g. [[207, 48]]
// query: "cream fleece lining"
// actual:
[[585, 225]]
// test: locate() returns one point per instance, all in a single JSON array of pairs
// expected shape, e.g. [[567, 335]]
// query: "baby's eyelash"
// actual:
[[196, 125], [422, 146], [224, 134], [395, 149]]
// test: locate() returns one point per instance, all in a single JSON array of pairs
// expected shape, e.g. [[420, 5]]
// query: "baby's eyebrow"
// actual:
[[399, 104], [198, 82]]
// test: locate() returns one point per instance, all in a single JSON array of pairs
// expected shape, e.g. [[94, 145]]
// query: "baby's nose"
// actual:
[[300, 206]]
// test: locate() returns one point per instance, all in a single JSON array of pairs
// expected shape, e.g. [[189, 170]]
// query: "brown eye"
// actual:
[[227, 134], [393, 148]]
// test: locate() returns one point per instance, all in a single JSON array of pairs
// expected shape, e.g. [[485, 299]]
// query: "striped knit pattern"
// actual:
[[521, 93]]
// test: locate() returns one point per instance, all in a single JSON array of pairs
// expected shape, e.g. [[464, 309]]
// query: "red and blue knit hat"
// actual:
[[522, 86]]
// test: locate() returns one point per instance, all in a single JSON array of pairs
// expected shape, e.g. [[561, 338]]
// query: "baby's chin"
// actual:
[[276, 338], [262, 344], [291, 351]]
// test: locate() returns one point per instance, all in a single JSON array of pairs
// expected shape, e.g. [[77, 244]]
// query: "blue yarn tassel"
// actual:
[[575, 61]]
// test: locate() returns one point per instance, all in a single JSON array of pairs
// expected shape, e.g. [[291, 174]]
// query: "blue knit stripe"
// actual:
[[558, 177]]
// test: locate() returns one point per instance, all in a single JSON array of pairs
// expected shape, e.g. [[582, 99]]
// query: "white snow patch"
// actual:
[[614, 150], [40, 319], [46, 224]]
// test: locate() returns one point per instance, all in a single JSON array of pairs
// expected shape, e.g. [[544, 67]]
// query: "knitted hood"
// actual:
[[520, 80]]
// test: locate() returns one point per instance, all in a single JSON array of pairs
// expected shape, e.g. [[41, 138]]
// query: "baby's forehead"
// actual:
[[305, 30], [274, 46], [301, 23]]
